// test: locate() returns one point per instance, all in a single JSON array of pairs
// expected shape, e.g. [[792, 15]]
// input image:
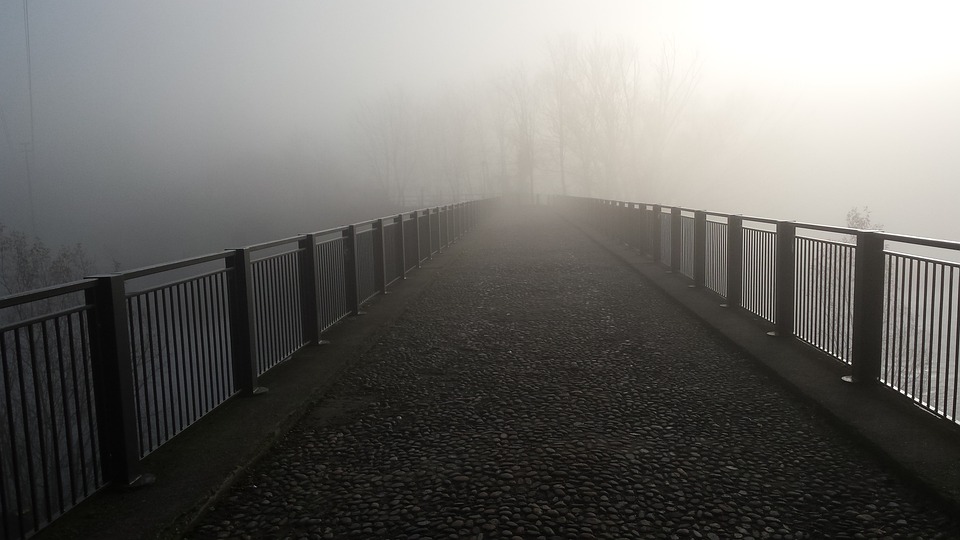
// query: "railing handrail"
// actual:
[[43, 293], [166, 267]]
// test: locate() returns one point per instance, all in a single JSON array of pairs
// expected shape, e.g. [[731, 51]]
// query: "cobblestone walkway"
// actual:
[[540, 390]]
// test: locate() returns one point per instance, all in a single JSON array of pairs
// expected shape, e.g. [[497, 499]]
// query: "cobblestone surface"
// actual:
[[540, 390]]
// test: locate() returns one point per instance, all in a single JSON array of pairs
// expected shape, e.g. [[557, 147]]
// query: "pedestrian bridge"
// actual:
[[584, 369]]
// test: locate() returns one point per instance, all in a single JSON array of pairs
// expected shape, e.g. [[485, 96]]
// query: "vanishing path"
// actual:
[[540, 389]]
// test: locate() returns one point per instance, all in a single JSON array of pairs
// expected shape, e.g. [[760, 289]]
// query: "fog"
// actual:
[[166, 129]]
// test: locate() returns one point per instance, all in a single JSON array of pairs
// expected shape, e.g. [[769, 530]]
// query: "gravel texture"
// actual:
[[541, 390]]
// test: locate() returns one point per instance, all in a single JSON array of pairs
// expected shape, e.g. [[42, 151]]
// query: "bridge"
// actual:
[[579, 369]]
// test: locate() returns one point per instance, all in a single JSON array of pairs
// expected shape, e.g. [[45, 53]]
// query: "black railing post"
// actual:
[[242, 329], [676, 239], [430, 227], [401, 246], [785, 284], [416, 236], [656, 233], [309, 301], [456, 221], [868, 307], [734, 261], [625, 222], [699, 248], [113, 381], [379, 258], [350, 269], [448, 220]]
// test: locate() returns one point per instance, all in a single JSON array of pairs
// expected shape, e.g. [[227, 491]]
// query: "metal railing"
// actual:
[[890, 316], [97, 374]]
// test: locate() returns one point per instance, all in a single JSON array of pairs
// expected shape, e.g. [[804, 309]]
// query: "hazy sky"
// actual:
[[857, 100]]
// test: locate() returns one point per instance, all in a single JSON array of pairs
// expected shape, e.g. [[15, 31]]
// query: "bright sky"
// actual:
[[867, 89]]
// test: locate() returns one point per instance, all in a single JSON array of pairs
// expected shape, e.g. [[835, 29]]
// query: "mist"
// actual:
[[164, 130]]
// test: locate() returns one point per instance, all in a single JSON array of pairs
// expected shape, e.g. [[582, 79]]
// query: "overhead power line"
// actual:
[[28, 151]]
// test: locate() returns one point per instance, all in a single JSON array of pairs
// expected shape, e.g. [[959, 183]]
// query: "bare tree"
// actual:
[[520, 101], [560, 79], [389, 134]]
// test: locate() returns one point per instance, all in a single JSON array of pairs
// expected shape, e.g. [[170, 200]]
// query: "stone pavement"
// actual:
[[540, 388]]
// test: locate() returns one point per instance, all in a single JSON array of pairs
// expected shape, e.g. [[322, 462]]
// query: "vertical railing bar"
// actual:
[[149, 358], [27, 438], [275, 302], [903, 339], [807, 254], [922, 294], [5, 509], [41, 440], [189, 362], [162, 414], [140, 390], [87, 340], [939, 341], [210, 330], [64, 403], [956, 341], [55, 458], [203, 323], [802, 301], [401, 247], [296, 330], [834, 299], [915, 304], [223, 335], [897, 336], [272, 299], [379, 257], [74, 365], [259, 271], [282, 309], [908, 306], [847, 302], [825, 297], [11, 425], [169, 406], [201, 362], [889, 275], [309, 290], [175, 361], [288, 286], [283, 316], [261, 311]]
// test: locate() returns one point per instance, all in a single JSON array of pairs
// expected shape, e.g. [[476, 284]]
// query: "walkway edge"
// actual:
[[223, 445], [920, 447]]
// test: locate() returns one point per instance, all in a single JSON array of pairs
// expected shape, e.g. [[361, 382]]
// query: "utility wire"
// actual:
[[6, 132], [26, 27], [28, 152]]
